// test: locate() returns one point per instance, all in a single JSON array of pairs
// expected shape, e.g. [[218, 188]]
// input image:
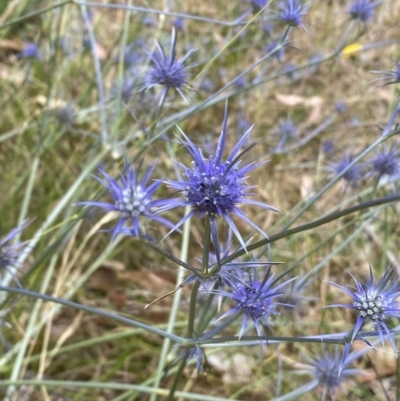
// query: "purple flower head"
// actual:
[[132, 199], [374, 301], [352, 175], [178, 23], [362, 10], [168, 71], [279, 54], [65, 115], [286, 131], [291, 12], [326, 368], [129, 55], [10, 251], [30, 50], [215, 187], [258, 5], [328, 147], [187, 354], [386, 163], [389, 77], [255, 299], [148, 21], [340, 107]]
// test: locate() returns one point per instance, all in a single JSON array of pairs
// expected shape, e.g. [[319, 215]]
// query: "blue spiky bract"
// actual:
[[374, 301], [352, 175], [132, 199], [330, 371], [10, 250], [386, 163], [256, 299], [30, 50], [362, 10], [258, 5], [291, 12], [168, 71], [389, 76], [214, 187]]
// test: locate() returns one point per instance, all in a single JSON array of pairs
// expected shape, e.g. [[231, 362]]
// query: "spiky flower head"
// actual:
[[390, 76], [279, 52], [374, 301], [132, 200], [286, 130], [10, 251], [256, 299], [292, 12], [30, 50], [214, 187], [362, 10], [386, 163], [326, 369], [168, 71], [352, 175], [258, 5]]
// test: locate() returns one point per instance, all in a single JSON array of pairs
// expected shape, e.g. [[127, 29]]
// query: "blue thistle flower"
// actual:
[[352, 175], [255, 299], [131, 200], [362, 10], [326, 369], [386, 163], [10, 251], [328, 147], [374, 301], [279, 54], [391, 76], [291, 12], [258, 5], [340, 107], [130, 56], [286, 131], [168, 71], [214, 187], [65, 115], [178, 23], [30, 50], [187, 354]]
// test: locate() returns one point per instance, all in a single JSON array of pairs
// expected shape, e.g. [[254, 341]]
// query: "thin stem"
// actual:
[[99, 77], [118, 318], [175, 306], [309, 226]]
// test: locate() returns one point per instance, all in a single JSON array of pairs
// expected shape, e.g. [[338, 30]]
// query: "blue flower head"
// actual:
[[255, 299], [326, 369], [386, 163], [215, 187], [278, 54], [258, 5], [389, 77], [286, 131], [374, 301], [10, 251], [352, 175], [292, 12], [168, 71], [132, 199], [30, 50], [362, 10]]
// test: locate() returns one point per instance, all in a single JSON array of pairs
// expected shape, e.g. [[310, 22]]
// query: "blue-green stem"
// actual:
[[99, 77], [84, 308], [175, 306]]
